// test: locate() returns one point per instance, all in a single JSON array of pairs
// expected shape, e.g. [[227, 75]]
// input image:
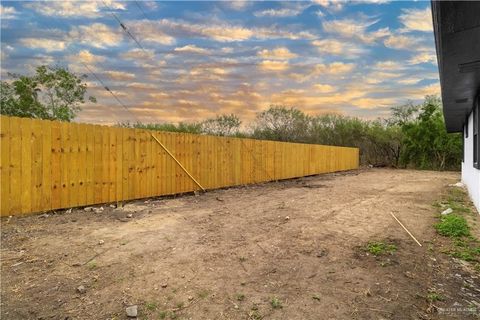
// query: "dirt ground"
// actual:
[[282, 250]]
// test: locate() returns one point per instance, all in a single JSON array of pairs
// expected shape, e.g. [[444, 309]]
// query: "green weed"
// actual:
[[380, 248], [452, 225], [276, 303]]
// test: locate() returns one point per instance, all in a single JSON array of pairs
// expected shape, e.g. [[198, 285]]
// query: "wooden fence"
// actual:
[[48, 165]]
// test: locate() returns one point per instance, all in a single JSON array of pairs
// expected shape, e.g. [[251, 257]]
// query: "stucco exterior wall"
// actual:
[[471, 175]]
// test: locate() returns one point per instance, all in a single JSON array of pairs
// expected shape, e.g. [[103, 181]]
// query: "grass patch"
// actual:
[[254, 314], [276, 303], [152, 306], [203, 294], [92, 265], [433, 296], [464, 245], [453, 225], [378, 248], [240, 297]]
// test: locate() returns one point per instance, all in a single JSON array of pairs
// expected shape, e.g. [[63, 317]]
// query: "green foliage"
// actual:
[[282, 124], [170, 127], [427, 145], [380, 248], [452, 225], [224, 125], [413, 136], [51, 93], [276, 303]]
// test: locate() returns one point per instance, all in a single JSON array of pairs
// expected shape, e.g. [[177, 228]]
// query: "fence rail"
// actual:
[[48, 165]]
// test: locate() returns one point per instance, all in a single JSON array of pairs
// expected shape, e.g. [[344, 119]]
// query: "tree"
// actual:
[[51, 93], [427, 145], [223, 125], [281, 123]]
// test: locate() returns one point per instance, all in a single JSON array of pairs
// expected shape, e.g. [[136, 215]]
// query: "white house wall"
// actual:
[[471, 175]]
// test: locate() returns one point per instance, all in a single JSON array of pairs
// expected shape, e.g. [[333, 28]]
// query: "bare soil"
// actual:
[[282, 250]]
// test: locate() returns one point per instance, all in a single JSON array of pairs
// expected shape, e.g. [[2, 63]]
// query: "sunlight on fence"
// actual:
[[49, 165]]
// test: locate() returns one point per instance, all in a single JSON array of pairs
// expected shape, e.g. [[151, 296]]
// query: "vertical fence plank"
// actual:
[[46, 202], [26, 165], [15, 163], [5, 141], [56, 171], [90, 164], [82, 164]]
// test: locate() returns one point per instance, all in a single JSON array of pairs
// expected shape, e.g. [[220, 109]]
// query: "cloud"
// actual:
[[165, 31], [86, 57], [138, 54], [356, 29], [416, 20], [288, 10], [280, 53], [401, 42], [48, 45], [238, 5], [152, 31], [424, 57], [68, 9], [331, 5], [334, 68], [324, 88], [8, 12], [120, 75], [273, 65], [96, 35], [389, 65], [341, 48], [191, 48]]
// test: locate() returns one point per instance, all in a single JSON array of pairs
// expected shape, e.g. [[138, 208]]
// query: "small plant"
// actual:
[[203, 294], [316, 297], [152, 306], [254, 314], [452, 225], [379, 248], [432, 296], [92, 265], [162, 314], [179, 304], [276, 303], [240, 297], [242, 259]]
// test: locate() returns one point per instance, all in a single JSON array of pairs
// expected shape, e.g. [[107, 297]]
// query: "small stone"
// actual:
[[190, 298], [88, 209], [101, 242], [130, 215], [112, 206], [44, 216], [164, 285], [132, 311], [447, 211], [287, 218], [69, 211], [81, 289], [98, 210]]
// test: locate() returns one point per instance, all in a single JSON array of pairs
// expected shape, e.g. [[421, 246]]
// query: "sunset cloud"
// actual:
[[97, 35], [48, 45], [280, 53], [417, 20], [273, 65], [191, 48], [352, 57]]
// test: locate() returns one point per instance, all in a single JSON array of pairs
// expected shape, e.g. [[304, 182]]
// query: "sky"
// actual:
[[188, 61]]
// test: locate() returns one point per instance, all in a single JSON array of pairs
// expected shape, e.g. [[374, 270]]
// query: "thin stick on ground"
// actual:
[[409, 233]]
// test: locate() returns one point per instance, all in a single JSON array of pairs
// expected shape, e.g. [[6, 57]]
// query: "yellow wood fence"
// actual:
[[48, 165]]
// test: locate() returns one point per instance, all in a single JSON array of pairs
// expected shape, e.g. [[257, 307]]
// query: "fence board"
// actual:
[[48, 165]]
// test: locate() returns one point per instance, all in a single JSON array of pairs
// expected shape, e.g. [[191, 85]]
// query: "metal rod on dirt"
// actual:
[[411, 235], [178, 162]]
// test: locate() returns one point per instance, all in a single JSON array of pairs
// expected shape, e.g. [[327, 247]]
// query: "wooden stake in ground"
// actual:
[[411, 235]]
